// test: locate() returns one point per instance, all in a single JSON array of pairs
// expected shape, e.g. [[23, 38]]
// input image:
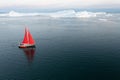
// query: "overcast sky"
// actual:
[[61, 3]]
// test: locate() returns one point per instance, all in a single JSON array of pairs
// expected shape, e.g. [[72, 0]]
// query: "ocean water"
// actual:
[[69, 46]]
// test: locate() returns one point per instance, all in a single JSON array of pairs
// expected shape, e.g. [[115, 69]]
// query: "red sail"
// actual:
[[31, 40], [28, 39], [25, 40]]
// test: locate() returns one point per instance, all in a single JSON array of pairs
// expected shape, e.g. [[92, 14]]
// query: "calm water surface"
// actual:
[[66, 49]]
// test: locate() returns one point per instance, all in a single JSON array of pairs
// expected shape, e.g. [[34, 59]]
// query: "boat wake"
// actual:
[[64, 13]]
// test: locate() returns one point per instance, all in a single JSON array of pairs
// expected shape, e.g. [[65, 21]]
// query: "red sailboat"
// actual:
[[28, 40]]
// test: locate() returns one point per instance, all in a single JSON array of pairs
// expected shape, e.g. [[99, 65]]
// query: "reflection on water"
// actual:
[[29, 52]]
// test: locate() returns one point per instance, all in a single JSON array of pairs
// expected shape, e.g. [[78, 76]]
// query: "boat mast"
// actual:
[[28, 36]]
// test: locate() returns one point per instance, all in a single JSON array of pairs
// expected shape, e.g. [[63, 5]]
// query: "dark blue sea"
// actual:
[[69, 46]]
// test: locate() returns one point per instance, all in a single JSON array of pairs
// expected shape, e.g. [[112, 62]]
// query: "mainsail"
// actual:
[[28, 39]]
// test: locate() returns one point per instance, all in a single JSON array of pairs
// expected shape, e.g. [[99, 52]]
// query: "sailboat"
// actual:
[[28, 40]]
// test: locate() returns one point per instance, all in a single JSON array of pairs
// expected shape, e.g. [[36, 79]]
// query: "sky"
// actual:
[[51, 4]]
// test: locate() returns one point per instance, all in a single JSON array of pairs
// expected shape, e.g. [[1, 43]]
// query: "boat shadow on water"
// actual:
[[29, 53]]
